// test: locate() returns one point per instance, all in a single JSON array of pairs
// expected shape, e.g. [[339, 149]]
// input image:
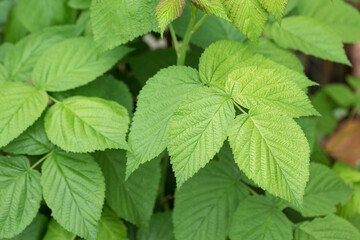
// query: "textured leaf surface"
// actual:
[[160, 228], [84, 124], [73, 63], [323, 192], [116, 22], [198, 129], [31, 142], [272, 151], [56, 232], [248, 16], [223, 57], [74, 189], [328, 228], [22, 58], [257, 218], [157, 102], [35, 230], [275, 7], [204, 206], [111, 227], [20, 106], [211, 7], [337, 14], [20, 195], [134, 198], [302, 33], [254, 86], [167, 10]]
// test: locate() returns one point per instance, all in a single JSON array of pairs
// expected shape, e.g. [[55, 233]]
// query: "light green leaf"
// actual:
[[347, 172], [275, 7], [35, 230], [328, 228], [20, 195], [38, 14], [302, 33], [211, 30], [156, 104], [223, 57], [323, 192], [248, 16], [341, 94], [160, 228], [337, 14], [205, 204], [57, 232], [353, 82], [252, 86], [21, 59], [111, 227], [198, 129], [134, 198], [20, 106], [31, 142], [211, 7], [87, 124], [116, 22], [273, 151], [79, 4], [73, 63], [257, 218], [168, 10], [4, 50], [74, 189]]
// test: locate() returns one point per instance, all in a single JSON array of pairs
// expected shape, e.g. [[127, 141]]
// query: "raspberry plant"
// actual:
[[211, 139]]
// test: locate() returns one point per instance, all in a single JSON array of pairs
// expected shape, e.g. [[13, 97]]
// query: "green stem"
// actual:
[[174, 38], [54, 99], [252, 191], [41, 160], [198, 24], [238, 106]]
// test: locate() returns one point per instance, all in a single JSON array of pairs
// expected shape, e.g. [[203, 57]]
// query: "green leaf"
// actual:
[[353, 82], [328, 228], [79, 4], [74, 189], [205, 204], [156, 104], [38, 14], [5, 48], [252, 86], [248, 16], [341, 94], [168, 10], [134, 198], [257, 218], [223, 57], [31, 142], [20, 195], [21, 59], [198, 129], [337, 14], [279, 55], [308, 125], [211, 7], [35, 230], [87, 124], [56, 232], [73, 63], [211, 30], [111, 227], [347, 172], [160, 228], [302, 33], [14, 30], [116, 22], [275, 7], [273, 151], [20, 106], [323, 192]]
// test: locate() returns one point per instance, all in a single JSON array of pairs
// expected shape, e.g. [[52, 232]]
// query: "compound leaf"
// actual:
[[198, 129], [157, 102], [87, 124], [134, 198], [20, 195], [74, 189], [20, 106], [73, 63], [257, 218], [272, 150], [205, 204]]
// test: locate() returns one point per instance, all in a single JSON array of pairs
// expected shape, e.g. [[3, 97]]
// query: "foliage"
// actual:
[[104, 137]]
